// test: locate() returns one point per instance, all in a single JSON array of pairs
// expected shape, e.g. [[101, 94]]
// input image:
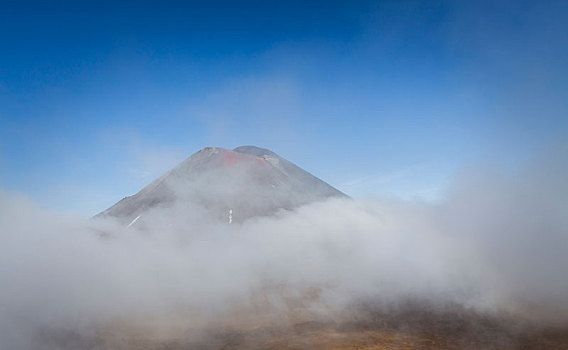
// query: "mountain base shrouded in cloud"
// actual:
[[485, 268]]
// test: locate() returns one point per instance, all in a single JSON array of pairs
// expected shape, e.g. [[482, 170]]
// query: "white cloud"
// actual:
[[498, 242]]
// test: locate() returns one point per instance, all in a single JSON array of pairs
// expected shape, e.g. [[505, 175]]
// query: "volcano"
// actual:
[[236, 184]]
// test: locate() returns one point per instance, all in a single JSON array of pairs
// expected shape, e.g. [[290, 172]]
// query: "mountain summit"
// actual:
[[245, 182]]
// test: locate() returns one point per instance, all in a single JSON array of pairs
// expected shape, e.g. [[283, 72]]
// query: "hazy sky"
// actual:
[[97, 99]]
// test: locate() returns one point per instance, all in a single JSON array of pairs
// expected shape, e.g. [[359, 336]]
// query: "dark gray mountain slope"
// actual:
[[248, 180]]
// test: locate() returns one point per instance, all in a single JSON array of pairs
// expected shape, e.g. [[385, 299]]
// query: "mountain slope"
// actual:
[[248, 180]]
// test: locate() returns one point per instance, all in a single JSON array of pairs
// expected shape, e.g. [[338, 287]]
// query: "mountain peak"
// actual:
[[254, 150], [249, 180]]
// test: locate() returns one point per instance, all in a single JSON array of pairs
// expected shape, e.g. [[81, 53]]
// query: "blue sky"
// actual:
[[375, 97]]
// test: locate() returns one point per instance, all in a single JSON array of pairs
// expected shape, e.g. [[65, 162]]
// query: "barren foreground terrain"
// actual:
[[410, 327]]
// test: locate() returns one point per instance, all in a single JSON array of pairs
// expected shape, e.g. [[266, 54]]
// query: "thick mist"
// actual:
[[497, 243]]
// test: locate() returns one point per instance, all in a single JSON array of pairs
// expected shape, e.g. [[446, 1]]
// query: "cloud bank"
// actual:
[[497, 243]]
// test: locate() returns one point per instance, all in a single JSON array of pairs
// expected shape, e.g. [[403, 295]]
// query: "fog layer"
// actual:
[[498, 243]]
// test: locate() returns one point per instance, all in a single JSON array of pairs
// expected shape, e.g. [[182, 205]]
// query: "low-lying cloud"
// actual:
[[498, 242]]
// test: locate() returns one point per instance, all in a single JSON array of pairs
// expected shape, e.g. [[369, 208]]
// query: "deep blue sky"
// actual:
[[375, 97]]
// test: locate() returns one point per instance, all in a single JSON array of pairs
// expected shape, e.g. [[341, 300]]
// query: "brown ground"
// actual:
[[406, 328]]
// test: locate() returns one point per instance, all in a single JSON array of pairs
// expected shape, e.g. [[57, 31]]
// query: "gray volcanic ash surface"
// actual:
[[247, 181]]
